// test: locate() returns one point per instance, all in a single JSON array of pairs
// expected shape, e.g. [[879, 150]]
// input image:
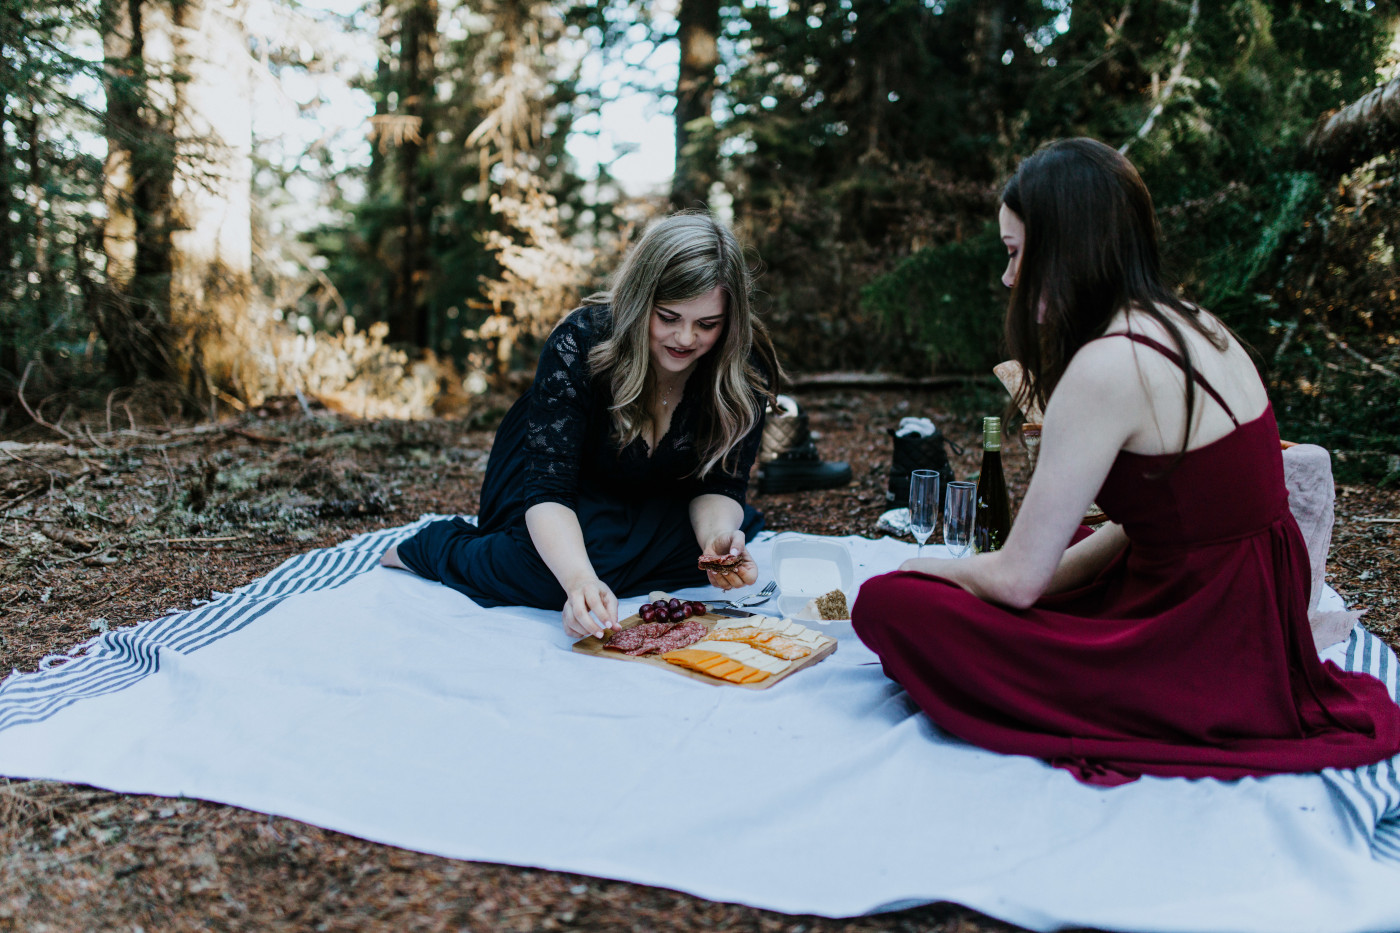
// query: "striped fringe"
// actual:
[[115, 660], [1372, 794]]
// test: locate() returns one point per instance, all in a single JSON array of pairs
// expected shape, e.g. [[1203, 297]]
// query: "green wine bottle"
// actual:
[[993, 504]]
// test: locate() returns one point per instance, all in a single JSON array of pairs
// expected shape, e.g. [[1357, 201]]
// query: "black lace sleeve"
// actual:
[[561, 400], [734, 482]]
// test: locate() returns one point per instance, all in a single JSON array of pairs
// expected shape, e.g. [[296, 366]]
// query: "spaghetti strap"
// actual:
[[1175, 357]]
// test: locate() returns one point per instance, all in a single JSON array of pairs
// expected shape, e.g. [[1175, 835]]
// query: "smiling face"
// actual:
[[683, 331], [1013, 234]]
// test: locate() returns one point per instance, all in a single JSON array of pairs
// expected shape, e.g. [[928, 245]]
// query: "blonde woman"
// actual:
[[628, 458]]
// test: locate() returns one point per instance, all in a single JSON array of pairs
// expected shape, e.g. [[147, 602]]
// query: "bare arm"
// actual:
[[590, 606], [716, 520], [1096, 408], [1084, 561]]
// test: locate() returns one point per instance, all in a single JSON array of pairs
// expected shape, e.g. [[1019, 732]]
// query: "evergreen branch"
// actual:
[[1173, 80]]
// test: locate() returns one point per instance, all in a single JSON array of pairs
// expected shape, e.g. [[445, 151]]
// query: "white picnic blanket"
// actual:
[[375, 703]]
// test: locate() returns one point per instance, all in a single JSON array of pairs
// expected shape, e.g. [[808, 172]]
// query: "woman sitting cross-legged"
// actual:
[[1175, 641], [629, 456]]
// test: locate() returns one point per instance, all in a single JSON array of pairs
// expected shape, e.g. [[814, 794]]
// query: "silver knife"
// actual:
[[740, 613]]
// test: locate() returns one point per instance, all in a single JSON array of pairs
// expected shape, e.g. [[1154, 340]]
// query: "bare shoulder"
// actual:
[[1104, 369]]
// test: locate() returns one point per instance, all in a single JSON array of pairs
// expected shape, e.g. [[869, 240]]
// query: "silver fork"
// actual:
[[753, 599]]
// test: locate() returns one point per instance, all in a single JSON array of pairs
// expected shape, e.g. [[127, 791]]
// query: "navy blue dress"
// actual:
[[556, 445]]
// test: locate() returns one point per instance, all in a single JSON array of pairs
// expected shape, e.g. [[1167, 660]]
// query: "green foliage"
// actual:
[[49, 236], [833, 107], [425, 216], [938, 303]]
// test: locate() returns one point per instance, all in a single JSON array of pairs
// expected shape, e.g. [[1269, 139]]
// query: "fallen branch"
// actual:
[[1380, 521], [67, 539], [1370, 363], [1356, 133], [19, 394], [258, 438], [851, 380]]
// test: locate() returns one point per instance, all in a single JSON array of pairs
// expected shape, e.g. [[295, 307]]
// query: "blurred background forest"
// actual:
[[189, 220]]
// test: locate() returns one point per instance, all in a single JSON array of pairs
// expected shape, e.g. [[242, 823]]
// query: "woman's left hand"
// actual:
[[743, 573]]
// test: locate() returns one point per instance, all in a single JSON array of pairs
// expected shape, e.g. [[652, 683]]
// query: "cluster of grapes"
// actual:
[[672, 610]]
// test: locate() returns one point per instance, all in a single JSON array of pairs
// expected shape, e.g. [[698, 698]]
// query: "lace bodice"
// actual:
[[570, 440]]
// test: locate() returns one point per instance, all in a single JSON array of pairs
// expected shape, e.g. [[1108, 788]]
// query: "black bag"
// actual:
[[919, 452]]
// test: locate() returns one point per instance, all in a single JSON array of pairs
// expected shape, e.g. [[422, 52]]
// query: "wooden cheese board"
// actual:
[[823, 646]]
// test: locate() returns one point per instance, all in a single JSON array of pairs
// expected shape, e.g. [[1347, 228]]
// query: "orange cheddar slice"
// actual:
[[716, 665], [725, 669], [691, 657]]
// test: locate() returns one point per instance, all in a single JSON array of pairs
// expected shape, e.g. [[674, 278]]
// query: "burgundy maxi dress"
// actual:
[[1190, 655]]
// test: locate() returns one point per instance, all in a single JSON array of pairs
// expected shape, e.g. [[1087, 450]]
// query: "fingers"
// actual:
[[730, 542], [747, 571], [743, 573], [571, 627], [591, 609]]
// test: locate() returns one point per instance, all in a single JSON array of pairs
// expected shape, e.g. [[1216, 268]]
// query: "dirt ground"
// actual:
[[117, 523]]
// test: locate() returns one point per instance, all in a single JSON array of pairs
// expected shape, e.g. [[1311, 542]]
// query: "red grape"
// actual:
[[648, 612], [700, 608], [674, 604], [686, 611]]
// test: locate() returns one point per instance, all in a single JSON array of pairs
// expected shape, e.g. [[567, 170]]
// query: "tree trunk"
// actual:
[[1357, 133], [139, 57], [9, 343], [42, 271], [7, 252], [698, 33], [408, 320], [212, 253], [178, 231]]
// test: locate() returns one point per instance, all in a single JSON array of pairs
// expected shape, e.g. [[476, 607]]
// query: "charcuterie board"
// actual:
[[820, 646]]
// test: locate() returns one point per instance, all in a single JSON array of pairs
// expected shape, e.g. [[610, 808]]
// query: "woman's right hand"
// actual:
[[591, 608]]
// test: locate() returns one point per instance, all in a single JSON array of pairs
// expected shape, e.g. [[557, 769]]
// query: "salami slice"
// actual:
[[636, 637], [652, 637], [683, 635], [718, 562]]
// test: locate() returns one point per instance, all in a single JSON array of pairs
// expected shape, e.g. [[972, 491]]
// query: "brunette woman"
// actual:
[[629, 456], [1175, 641]]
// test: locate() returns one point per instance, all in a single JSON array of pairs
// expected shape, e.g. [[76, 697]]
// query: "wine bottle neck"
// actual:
[[991, 434]]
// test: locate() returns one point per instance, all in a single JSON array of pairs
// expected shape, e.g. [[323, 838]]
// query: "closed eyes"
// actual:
[[707, 324]]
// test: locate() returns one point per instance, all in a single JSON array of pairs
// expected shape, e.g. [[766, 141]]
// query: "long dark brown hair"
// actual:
[[1090, 252]]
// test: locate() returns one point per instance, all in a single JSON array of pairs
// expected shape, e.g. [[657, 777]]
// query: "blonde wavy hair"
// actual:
[[680, 257]]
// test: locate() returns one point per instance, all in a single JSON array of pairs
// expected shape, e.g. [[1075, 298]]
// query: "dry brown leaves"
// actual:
[[173, 518]]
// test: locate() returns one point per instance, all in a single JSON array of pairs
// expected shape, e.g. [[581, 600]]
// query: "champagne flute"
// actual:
[[959, 514], [923, 505]]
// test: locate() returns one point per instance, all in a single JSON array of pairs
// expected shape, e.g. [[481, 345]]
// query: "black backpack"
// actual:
[[919, 452]]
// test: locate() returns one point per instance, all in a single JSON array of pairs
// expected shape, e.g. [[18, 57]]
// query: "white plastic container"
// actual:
[[806, 568]]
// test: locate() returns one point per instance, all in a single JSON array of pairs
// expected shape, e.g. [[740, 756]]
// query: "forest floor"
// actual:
[[117, 524]]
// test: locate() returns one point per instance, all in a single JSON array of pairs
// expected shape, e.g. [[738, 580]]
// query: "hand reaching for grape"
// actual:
[[743, 573]]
